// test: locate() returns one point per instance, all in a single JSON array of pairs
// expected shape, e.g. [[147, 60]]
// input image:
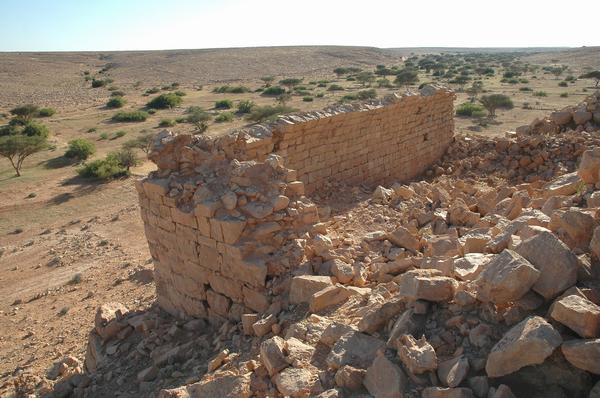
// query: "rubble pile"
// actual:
[[482, 280]]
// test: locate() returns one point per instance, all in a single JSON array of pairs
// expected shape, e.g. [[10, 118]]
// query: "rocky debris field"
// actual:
[[482, 280]]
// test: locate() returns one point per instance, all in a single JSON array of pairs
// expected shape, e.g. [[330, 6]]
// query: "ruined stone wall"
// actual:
[[376, 145], [227, 218]]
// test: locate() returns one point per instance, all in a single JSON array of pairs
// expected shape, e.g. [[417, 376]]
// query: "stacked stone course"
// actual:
[[227, 218]]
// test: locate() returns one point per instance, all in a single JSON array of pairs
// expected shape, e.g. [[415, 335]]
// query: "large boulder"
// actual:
[[355, 349], [555, 261], [589, 167], [272, 355], [426, 284], [566, 185], [529, 342], [293, 382], [583, 354], [507, 277], [403, 238], [384, 379], [578, 314]]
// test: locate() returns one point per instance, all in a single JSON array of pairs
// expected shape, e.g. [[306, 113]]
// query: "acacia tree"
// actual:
[[365, 77], [267, 80], [290, 82], [495, 101], [406, 77], [16, 148], [592, 75], [144, 143], [475, 89]]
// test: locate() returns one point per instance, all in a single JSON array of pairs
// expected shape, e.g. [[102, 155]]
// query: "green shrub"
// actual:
[[367, 94], [104, 169], [151, 111], [231, 90], [34, 129], [91, 130], [540, 94], [134, 116], [245, 106], [494, 101], [525, 89], [351, 79], [116, 102], [265, 113], [470, 109], [512, 81], [80, 149], [99, 83], [46, 112], [562, 84], [180, 93], [224, 117], [320, 95], [199, 118], [103, 136], [119, 134], [224, 104], [523, 81], [303, 92], [564, 95], [117, 93], [180, 119], [165, 101], [307, 99], [25, 111], [273, 91], [167, 123], [335, 87], [152, 90]]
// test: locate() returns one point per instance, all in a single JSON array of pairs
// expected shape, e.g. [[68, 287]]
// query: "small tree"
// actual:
[[164, 101], [16, 148], [365, 77], [283, 99], [267, 80], [592, 75], [406, 77], [341, 71], [80, 149], [25, 112], [199, 119], [290, 83], [475, 89], [143, 142], [495, 101], [126, 158]]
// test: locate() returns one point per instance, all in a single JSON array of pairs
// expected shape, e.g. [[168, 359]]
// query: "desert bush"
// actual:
[[335, 87], [384, 83], [523, 81], [406, 77], [116, 102], [495, 101], [133, 116], [152, 90], [25, 112], [224, 117], [245, 106], [46, 112], [265, 113], [341, 71], [267, 80], [365, 78], [119, 134], [35, 129], [165, 101], [91, 130], [470, 109], [563, 84], [143, 142], [564, 95], [103, 169], [231, 89], [167, 123], [540, 94], [103, 136], [125, 158], [303, 92], [273, 91], [307, 99], [199, 118], [151, 111], [224, 104], [290, 82], [99, 83], [320, 95], [180, 93], [80, 149], [525, 89]]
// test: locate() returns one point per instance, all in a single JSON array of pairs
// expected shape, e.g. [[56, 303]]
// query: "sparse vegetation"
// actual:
[[165, 101], [266, 113], [135, 116], [224, 117], [495, 101], [224, 104], [114, 165], [540, 94], [595, 75], [231, 90], [116, 102], [46, 112], [335, 87], [143, 142], [119, 134], [167, 123], [273, 91], [470, 109], [245, 106], [80, 149], [16, 148]]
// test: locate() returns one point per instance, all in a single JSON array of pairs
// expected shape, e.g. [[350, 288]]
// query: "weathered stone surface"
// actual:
[[555, 261], [595, 243], [417, 355], [453, 371], [294, 382], [224, 386], [303, 287], [578, 314], [469, 267], [479, 385], [589, 167], [578, 225], [407, 323], [344, 272], [507, 277], [503, 391], [263, 326], [333, 332], [583, 354], [426, 284], [355, 349], [272, 354], [439, 392], [564, 185], [377, 316], [385, 379], [108, 320], [350, 377], [529, 342], [403, 238], [331, 295]]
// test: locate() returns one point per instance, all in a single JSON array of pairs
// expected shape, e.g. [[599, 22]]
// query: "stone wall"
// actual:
[[227, 219]]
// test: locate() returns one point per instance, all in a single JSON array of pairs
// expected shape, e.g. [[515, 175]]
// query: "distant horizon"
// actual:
[[541, 48], [155, 25]]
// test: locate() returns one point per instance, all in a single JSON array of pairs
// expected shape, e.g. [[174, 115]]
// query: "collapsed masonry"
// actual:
[[226, 218]]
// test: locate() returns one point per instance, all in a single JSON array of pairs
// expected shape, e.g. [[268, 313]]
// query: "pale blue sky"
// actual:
[[102, 25]]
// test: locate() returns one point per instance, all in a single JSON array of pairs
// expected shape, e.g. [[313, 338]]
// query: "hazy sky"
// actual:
[[68, 25]]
